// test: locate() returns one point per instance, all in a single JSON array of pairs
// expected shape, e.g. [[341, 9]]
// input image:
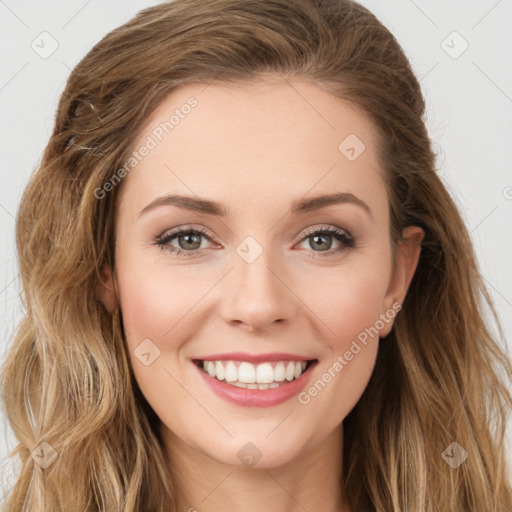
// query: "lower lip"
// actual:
[[257, 397]]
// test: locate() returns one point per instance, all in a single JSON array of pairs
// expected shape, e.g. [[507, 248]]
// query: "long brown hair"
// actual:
[[439, 376]]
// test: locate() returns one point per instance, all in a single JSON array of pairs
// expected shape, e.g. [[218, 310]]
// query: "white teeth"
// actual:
[[279, 372], [290, 370], [264, 374], [246, 373], [231, 372], [219, 371], [261, 376]]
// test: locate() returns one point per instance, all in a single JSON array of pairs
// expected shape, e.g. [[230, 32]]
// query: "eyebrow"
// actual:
[[213, 208]]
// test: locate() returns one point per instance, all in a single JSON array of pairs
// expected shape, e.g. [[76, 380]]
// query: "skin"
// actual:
[[256, 148]]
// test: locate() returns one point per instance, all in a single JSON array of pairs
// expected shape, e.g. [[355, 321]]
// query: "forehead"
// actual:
[[260, 141]]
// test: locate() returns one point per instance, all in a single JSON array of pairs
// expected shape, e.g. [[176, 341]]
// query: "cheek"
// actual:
[[350, 307], [351, 313], [154, 309], [350, 300], [161, 307], [153, 303]]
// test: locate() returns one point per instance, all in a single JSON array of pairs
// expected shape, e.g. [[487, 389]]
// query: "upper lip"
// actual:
[[253, 358]]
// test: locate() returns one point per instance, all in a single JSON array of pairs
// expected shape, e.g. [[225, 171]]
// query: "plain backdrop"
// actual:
[[460, 51]]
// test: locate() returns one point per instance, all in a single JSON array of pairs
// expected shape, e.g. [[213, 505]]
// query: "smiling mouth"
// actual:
[[243, 374]]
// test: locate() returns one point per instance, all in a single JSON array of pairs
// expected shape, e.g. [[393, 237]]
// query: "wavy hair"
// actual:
[[440, 376]]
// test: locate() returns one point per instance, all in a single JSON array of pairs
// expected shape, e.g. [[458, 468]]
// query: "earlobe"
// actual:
[[106, 289], [407, 257]]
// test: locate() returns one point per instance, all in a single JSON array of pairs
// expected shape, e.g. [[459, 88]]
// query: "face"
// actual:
[[253, 305]]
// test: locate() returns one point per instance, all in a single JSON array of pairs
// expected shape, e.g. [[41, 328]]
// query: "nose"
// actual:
[[256, 295]]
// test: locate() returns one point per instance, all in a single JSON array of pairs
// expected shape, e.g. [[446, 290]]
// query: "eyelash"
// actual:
[[346, 240]]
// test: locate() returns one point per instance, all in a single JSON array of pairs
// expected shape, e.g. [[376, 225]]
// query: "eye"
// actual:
[[188, 240], [320, 240]]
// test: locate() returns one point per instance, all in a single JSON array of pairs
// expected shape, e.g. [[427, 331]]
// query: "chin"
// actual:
[[255, 451]]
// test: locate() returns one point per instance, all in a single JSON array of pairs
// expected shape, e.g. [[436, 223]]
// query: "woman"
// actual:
[[246, 286]]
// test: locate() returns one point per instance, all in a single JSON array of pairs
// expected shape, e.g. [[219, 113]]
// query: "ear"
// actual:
[[407, 257], [106, 291]]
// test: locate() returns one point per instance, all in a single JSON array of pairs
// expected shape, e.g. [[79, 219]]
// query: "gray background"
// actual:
[[469, 99]]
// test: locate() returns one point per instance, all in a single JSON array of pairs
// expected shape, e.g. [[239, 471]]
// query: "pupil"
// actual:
[[187, 238], [324, 237]]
